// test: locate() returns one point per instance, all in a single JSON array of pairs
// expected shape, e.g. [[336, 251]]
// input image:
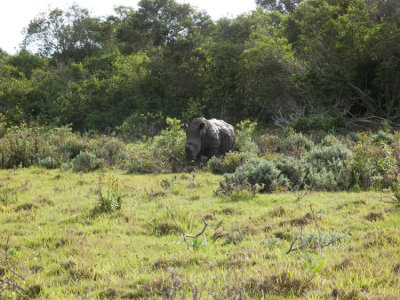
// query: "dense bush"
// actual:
[[86, 161], [318, 122], [227, 164], [295, 144], [141, 160], [169, 146], [328, 168], [361, 161], [374, 164], [255, 172], [141, 126], [245, 137], [293, 162]]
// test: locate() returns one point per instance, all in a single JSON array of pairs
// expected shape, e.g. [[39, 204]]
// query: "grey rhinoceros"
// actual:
[[208, 138]]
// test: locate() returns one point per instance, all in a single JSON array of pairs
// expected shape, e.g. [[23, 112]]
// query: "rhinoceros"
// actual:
[[208, 138]]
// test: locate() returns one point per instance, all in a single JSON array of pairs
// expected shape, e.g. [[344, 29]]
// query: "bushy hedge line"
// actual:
[[264, 162], [53, 148], [357, 161]]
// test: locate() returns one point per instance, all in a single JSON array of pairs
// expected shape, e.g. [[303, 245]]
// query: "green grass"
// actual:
[[66, 245]]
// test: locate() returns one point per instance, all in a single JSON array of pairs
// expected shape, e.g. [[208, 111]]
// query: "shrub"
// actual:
[[255, 172], [295, 144], [109, 149], [109, 202], [169, 146], [318, 122], [141, 126], [48, 163], [227, 164], [383, 137], [328, 168], [245, 134], [140, 160], [20, 150], [373, 164], [85, 162], [268, 143], [295, 170], [73, 146], [109, 195]]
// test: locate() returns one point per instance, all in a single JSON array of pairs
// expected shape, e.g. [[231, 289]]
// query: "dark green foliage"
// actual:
[[310, 64], [48, 163], [295, 144], [85, 162], [329, 169], [322, 168], [295, 170], [256, 171], [318, 122], [141, 126], [227, 164]]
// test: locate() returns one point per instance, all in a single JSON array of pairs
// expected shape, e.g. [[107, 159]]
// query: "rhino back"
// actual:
[[225, 133]]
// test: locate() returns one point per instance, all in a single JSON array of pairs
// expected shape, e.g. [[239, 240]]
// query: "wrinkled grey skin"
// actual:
[[208, 138]]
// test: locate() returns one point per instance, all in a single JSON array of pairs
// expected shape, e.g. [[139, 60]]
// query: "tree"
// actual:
[[283, 6], [65, 35], [270, 69], [345, 46], [158, 23]]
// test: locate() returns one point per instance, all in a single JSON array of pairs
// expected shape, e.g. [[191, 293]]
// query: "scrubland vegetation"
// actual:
[[294, 216], [97, 200]]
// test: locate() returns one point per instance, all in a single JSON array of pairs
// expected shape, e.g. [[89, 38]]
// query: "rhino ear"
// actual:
[[202, 128]]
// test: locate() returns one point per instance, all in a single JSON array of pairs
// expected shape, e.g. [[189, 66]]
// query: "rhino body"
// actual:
[[208, 138]]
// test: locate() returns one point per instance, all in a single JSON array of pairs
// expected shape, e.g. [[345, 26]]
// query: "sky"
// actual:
[[15, 15]]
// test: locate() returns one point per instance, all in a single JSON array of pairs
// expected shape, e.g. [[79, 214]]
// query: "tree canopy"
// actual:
[[286, 60]]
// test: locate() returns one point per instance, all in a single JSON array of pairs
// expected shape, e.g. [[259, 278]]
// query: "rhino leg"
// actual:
[[210, 152]]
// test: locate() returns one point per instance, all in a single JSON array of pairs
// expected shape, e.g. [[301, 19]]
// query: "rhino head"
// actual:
[[194, 134]]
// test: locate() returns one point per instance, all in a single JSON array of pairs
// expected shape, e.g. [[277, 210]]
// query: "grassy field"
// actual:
[[69, 235]]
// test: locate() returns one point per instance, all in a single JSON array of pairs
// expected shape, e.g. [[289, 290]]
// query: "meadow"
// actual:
[[110, 234]]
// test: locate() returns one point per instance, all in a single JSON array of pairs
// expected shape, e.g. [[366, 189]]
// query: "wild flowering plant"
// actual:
[[110, 197]]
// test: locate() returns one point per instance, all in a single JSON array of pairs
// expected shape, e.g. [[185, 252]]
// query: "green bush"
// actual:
[[110, 149], [140, 126], [245, 137], [318, 122], [384, 137], [323, 168], [374, 164], [109, 202], [256, 172], [294, 170], [268, 143], [227, 164], [48, 163], [85, 162], [328, 168], [169, 146], [72, 146], [295, 144], [140, 160]]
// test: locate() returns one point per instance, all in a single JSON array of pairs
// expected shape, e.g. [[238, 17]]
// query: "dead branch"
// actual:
[[361, 93], [202, 232], [306, 243], [300, 196], [316, 225], [10, 282]]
